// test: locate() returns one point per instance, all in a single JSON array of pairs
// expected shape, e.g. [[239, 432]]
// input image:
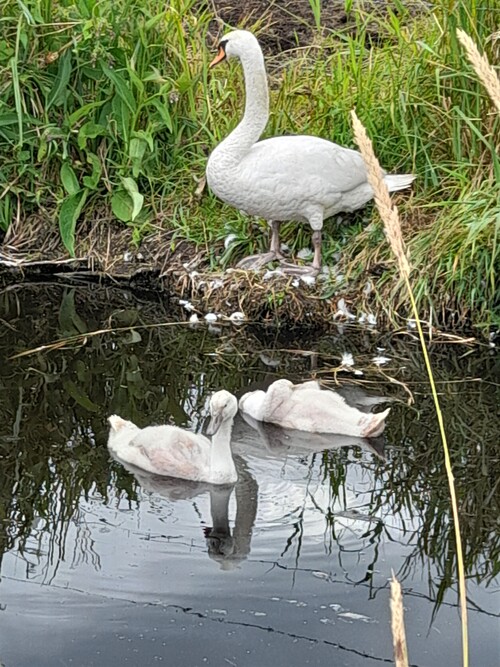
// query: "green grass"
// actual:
[[107, 110]]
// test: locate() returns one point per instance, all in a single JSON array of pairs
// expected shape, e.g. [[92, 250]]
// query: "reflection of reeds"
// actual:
[[398, 624], [390, 217], [484, 70]]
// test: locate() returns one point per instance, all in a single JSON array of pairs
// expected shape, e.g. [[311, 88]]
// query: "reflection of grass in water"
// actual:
[[171, 371]]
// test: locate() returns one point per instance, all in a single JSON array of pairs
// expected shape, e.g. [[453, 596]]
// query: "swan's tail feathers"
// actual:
[[398, 181], [117, 423], [376, 425]]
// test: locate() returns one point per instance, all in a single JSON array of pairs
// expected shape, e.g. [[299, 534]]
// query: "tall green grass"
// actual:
[[108, 111]]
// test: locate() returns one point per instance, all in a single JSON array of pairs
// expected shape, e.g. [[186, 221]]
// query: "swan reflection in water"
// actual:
[[225, 547]]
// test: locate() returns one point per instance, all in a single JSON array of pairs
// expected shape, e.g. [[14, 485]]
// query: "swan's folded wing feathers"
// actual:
[[304, 156], [172, 451]]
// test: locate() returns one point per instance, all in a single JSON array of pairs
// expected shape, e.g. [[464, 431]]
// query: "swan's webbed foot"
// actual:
[[295, 270], [256, 262]]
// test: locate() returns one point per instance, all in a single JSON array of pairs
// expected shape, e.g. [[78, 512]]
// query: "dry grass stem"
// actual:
[[398, 624], [482, 67], [388, 211]]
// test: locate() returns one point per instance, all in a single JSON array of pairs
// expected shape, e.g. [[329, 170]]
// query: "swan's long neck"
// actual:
[[221, 459], [256, 115]]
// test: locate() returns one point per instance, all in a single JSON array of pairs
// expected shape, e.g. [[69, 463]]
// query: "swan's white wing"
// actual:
[[306, 162], [174, 452]]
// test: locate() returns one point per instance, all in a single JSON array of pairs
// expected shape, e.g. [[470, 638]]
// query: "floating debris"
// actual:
[[343, 311], [211, 317], [347, 359], [351, 616], [194, 319], [187, 305], [308, 280], [267, 361], [380, 360], [237, 317]]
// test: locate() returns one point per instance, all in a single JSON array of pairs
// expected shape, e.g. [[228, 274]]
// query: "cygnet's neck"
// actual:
[[221, 458], [256, 115]]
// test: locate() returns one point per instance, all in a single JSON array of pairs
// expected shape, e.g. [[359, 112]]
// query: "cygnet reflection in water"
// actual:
[[226, 548], [283, 441]]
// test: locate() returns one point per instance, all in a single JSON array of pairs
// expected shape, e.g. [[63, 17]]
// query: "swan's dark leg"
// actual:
[[256, 262], [316, 239], [315, 267]]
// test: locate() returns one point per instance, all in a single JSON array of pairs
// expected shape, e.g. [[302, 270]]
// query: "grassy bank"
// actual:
[[108, 112]]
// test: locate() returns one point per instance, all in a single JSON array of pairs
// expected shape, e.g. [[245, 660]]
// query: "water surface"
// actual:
[[101, 565]]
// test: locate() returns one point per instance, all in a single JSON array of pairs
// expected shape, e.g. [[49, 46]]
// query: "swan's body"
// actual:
[[302, 178], [171, 451], [306, 407]]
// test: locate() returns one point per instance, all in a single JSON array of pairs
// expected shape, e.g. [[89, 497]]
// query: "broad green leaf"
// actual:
[[122, 115], [68, 215], [137, 148], [69, 179], [83, 111], [90, 130], [92, 181], [147, 137], [136, 151], [138, 200], [57, 94], [163, 111], [121, 87], [122, 205]]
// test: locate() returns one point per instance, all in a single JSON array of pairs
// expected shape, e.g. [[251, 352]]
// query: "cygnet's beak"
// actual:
[[215, 423]]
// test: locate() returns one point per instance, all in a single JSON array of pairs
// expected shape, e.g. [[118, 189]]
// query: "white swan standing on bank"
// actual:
[[175, 452], [307, 407], [302, 178]]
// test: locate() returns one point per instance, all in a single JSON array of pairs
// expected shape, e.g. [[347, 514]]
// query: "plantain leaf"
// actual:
[[122, 205], [68, 215], [69, 179], [137, 199]]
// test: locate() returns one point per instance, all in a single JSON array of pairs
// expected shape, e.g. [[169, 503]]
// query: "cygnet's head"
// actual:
[[223, 407], [237, 43], [121, 431]]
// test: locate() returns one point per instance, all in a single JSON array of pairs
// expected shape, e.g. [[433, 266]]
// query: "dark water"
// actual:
[[101, 566]]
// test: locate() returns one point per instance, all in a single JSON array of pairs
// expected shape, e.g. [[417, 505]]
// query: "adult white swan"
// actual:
[[307, 407], [175, 452], [302, 178]]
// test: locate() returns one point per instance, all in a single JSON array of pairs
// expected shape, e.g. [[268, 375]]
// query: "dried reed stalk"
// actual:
[[390, 217], [398, 624], [387, 209], [483, 69]]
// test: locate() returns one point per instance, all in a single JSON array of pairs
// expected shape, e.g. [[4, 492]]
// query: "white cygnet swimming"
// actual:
[[307, 407], [174, 452]]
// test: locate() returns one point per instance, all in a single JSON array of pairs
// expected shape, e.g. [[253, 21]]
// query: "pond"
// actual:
[[101, 565]]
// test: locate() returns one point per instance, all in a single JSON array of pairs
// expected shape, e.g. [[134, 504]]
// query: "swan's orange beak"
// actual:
[[219, 57]]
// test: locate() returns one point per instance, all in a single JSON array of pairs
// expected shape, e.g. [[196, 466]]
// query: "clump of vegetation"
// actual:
[[107, 115]]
